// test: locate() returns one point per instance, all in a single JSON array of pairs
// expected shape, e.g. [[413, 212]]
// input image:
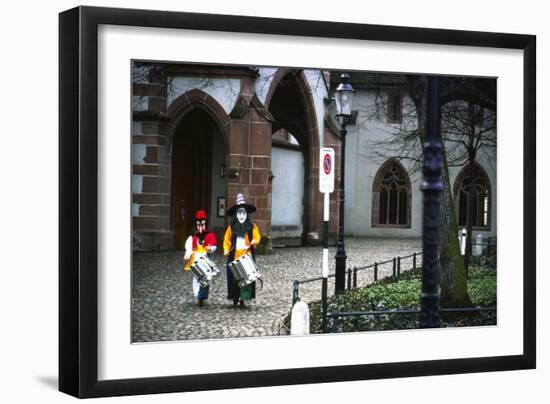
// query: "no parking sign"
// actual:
[[326, 170], [326, 186]]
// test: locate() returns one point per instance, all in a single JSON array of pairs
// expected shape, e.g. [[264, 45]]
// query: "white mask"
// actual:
[[201, 226], [241, 215]]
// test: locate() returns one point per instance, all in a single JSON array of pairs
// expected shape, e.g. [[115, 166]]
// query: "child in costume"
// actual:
[[241, 237], [201, 243]]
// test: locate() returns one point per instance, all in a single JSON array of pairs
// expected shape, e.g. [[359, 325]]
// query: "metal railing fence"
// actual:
[[353, 274], [336, 315]]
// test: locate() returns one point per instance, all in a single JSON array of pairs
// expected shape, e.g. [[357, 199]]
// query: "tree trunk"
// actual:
[[468, 252], [453, 278]]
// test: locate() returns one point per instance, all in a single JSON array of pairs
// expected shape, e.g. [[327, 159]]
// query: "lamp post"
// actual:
[[344, 99]]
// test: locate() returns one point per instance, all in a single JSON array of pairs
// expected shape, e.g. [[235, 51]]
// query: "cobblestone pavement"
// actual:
[[164, 308]]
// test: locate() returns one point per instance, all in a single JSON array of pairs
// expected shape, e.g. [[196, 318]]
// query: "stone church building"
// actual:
[[203, 133]]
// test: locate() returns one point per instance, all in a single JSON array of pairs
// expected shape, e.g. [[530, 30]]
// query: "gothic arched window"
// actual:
[[473, 179], [391, 196]]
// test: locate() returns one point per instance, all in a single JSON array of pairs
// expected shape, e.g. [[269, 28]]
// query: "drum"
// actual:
[[244, 270], [204, 269]]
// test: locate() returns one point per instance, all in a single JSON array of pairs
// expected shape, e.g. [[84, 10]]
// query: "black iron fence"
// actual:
[[336, 315], [354, 274], [378, 271], [488, 254]]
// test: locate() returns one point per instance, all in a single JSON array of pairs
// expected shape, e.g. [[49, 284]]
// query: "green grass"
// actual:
[[404, 294]]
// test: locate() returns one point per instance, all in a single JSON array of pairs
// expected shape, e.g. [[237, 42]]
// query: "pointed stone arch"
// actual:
[[194, 117], [305, 130], [196, 98]]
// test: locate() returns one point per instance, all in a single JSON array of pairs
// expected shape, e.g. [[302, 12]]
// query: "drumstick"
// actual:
[[248, 247]]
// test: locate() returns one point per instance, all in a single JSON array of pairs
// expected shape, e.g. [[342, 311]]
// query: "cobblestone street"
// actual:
[[164, 308]]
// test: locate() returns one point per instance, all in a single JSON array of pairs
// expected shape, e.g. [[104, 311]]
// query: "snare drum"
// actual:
[[244, 270], [204, 269]]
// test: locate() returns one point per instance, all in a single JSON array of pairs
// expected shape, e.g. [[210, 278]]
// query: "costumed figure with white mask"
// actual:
[[201, 243], [241, 237]]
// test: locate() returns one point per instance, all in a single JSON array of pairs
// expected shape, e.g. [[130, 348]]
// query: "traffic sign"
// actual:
[[326, 170]]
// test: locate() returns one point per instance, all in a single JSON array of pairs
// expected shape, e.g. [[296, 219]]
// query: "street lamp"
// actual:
[[344, 99]]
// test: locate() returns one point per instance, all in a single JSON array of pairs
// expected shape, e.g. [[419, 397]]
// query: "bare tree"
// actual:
[[469, 130], [463, 138]]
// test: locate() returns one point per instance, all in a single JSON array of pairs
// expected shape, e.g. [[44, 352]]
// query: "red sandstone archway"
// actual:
[[290, 101], [196, 120], [198, 99]]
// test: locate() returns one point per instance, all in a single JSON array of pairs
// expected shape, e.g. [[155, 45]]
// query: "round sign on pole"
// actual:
[[326, 170], [327, 164]]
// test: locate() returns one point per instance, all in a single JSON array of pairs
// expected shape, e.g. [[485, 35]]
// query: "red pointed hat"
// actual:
[[201, 214], [241, 204]]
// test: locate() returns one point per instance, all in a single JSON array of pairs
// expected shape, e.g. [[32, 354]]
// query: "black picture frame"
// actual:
[[78, 196]]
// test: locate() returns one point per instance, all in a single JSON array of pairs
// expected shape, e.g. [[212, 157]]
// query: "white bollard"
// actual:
[[462, 239], [479, 245], [299, 322]]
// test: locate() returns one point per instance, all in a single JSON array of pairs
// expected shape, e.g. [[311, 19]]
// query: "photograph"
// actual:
[[289, 202], [234, 236], [251, 201]]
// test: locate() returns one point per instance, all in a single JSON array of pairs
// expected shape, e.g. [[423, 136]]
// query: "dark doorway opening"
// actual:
[[191, 172]]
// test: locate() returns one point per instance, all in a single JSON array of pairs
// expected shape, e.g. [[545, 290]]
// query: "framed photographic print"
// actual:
[[192, 226]]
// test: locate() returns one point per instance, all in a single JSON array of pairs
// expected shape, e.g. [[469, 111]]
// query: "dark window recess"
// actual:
[[403, 201], [383, 207], [395, 108], [474, 197], [392, 187], [477, 114]]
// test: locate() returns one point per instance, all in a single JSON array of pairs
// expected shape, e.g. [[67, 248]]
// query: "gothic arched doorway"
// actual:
[[197, 155], [295, 148]]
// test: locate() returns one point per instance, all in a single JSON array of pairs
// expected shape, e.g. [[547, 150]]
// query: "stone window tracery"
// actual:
[[391, 205], [473, 179]]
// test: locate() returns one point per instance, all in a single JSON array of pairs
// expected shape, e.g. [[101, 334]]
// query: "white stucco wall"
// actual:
[[224, 90], [362, 164], [140, 103], [264, 81], [287, 192], [139, 151], [364, 156], [140, 74]]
